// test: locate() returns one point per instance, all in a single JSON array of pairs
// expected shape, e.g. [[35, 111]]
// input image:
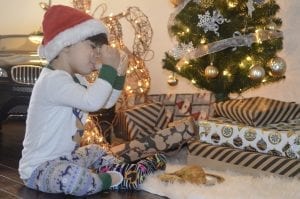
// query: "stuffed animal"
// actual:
[[193, 174]]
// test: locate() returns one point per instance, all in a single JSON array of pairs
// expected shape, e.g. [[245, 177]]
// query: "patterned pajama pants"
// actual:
[[83, 172]]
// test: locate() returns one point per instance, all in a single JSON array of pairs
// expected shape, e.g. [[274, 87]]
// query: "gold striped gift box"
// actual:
[[225, 158], [140, 121], [258, 111]]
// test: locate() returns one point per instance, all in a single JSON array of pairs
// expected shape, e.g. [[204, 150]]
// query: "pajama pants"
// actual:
[[83, 172]]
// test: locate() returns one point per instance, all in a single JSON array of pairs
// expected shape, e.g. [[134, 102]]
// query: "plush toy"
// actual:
[[193, 174]]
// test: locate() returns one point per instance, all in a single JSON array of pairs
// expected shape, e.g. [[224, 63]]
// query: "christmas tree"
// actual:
[[226, 46]]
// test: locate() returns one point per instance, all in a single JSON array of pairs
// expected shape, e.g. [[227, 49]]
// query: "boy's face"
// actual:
[[82, 57]]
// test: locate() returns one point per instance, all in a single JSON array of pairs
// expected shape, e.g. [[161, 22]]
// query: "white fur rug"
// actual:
[[235, 186]]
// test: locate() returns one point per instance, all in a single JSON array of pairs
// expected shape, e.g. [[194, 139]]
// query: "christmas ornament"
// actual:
[[256, 72], [176, 2], [172, 81], [232, 3], [211, 71], [181, 50], [271, 26], [277, 66], [211, 23]]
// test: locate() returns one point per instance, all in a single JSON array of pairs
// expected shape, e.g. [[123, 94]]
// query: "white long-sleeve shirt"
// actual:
[[51, 122]]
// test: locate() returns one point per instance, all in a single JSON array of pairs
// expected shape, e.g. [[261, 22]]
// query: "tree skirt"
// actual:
[[235, 186]]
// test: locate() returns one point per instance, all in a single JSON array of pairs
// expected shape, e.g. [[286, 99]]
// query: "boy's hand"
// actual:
[[109, 56]]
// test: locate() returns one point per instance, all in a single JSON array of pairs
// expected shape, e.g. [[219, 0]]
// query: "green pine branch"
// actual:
[[185, 30]]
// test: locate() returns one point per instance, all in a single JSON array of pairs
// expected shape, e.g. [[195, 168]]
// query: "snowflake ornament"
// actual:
[[181, 50], [211, 23]]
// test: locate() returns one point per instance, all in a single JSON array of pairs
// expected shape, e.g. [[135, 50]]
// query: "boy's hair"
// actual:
[[99, 39]]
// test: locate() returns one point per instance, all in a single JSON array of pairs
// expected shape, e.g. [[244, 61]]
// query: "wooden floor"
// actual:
[[11, 137]]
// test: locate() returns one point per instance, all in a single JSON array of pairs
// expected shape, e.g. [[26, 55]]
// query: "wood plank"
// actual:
[[6, 195], [11, 186], [10, 172]]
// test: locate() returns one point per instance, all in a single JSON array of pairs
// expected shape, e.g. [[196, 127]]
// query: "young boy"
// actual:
[[52, 160]]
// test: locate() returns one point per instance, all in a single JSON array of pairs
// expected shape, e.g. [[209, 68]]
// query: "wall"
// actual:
[[19, 16]]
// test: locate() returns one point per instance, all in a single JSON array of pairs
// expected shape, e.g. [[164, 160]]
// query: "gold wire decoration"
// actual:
[[45, 6], [82, 5], [138, 80], [93, 134]]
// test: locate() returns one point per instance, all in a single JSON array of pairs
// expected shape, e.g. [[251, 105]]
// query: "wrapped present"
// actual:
[[258, 111], [254, 163], [178, 106], [140, 121], [282, 139], [164, 140]]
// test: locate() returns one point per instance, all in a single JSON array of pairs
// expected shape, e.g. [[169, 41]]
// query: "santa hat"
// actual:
[[64, 26]]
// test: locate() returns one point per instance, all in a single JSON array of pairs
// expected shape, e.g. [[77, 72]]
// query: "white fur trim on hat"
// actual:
[[71, 36]]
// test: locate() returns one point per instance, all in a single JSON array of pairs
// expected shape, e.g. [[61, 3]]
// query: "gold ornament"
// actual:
[[272, 26], [176, 2], [277, 66], [211, 71], [232, 3], [172, 81], [257, 72]]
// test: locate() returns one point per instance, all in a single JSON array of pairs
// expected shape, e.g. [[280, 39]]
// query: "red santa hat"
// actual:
[[64, 26]]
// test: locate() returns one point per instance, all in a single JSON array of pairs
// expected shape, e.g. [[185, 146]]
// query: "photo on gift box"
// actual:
[[169, 99], [169, 112], [183, 105], [202, 98], [200, 112], [156, 98]]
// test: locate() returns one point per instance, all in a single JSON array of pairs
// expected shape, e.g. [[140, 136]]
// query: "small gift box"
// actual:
[[281, 139], [140, 121], [178, 106], [253, 163], [164, 140]]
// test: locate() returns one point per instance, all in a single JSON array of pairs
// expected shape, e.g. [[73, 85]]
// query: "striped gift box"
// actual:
[[141, 121], [258, 111], [224, 158]]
